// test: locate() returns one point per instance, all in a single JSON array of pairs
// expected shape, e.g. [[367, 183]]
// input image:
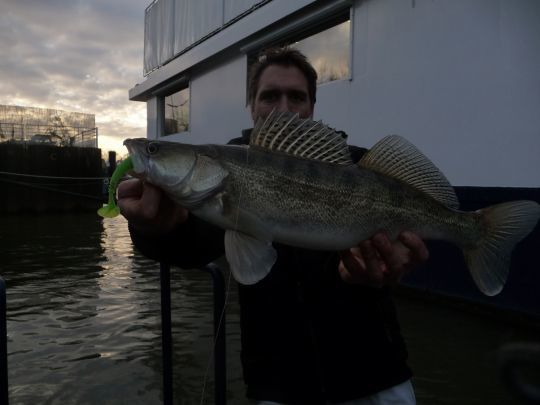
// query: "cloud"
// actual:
[[77, 56]]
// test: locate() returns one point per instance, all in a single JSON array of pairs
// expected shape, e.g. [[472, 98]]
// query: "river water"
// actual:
[[84, 325]]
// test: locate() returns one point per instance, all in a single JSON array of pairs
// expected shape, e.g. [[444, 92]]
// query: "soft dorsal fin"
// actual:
[[396, 157], [286, 132]]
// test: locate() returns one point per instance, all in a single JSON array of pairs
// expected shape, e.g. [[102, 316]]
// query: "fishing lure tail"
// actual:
[[111, 210]]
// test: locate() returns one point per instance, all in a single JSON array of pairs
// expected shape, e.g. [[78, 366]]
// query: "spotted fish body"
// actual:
[[296, 184], [302, 203]]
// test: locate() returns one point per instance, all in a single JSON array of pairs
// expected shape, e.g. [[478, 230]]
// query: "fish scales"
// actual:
[[337, 201], [290, 187], [279, 198]]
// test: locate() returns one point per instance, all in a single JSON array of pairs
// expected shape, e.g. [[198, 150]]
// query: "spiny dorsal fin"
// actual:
[[286, 132], [396, 157]]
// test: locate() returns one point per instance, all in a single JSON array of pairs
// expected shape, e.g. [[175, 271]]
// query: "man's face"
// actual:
[[283, 88]]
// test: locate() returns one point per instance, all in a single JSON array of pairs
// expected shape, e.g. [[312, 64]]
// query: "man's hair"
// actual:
[[283, 56]]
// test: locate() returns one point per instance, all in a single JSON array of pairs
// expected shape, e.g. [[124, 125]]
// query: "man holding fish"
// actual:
[[321, 327]]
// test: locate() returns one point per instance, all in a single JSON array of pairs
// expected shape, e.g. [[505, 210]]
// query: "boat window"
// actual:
[[327, 47], [329, 52], [176, 117]]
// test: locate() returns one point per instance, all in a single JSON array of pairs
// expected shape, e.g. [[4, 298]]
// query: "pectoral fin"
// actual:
[[250, 259]]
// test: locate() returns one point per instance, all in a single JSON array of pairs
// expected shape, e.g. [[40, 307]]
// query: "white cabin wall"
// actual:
[[218, 110], [217, 104], [460, 79], [153, 121]]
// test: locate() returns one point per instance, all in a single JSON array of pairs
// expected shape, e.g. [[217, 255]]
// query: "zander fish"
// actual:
[[295, 183]]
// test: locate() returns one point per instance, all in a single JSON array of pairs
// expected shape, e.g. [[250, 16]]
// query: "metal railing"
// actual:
[[220, 384], [519, 367], [4, 395], [49, 134]]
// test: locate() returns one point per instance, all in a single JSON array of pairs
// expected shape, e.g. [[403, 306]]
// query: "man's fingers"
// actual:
[[379, 261], [416, 245], [374, 266], [150, 201], [138, 200], [351, 260], [129, 188], [354, 270], [398, 256], [345, 274], [393, 254]]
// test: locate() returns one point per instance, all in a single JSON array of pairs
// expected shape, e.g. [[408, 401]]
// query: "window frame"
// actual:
[[162, 110], [295, 35]]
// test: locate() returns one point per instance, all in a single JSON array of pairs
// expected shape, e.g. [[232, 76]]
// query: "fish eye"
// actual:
[[152, 148]]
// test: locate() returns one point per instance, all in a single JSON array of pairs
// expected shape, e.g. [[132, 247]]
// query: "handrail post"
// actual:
[[518, 363], [166, 332], [219, 333], [220, 375], [4, 394]]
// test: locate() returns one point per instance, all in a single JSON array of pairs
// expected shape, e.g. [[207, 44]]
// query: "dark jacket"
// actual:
[[306, 335]]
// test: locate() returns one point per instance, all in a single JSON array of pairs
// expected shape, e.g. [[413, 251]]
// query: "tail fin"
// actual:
[[504, 226]]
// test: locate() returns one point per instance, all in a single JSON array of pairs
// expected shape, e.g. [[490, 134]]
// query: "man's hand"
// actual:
[[378, 262], [148, 208]]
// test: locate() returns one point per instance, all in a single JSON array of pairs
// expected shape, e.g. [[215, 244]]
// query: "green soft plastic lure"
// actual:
[[110, 210]]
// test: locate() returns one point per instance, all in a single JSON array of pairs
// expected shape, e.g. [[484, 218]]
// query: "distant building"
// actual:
[[47, 126]]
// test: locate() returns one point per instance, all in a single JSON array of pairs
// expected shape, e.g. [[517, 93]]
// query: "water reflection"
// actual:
[[73, 315], [84, 316]]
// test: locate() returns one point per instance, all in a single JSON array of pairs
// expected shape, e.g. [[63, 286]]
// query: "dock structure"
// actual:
[[49, 161]]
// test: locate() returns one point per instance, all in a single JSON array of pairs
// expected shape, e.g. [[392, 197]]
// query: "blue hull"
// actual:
[[446, 274]]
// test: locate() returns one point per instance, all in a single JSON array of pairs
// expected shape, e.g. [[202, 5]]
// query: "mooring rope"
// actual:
[[52, 177], [40, 187]]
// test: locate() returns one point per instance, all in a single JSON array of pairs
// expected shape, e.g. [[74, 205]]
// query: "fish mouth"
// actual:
[[138, 155]]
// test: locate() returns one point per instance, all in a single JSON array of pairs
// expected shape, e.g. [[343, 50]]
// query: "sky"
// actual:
[[76, 55]]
